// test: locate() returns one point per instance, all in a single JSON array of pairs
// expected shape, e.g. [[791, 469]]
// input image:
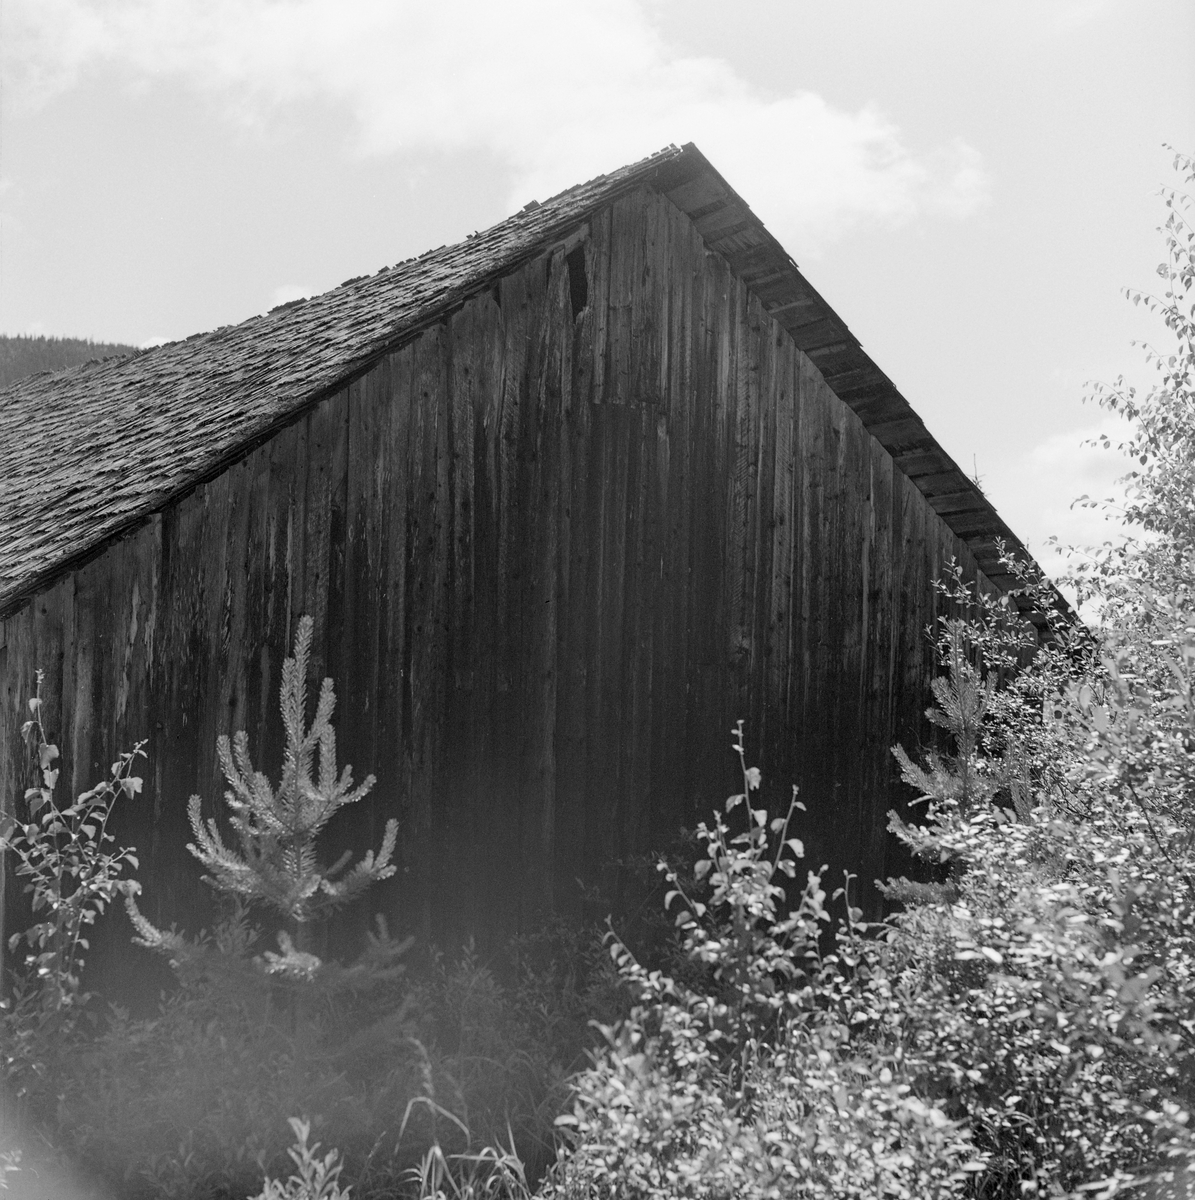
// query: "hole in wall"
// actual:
[[578, 281]]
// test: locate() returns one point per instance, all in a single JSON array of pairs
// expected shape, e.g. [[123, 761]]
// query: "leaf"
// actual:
[[46, 754]]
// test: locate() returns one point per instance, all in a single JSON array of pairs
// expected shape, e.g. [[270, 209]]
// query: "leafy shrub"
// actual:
[[1025, 1024], [1046, 995], [315, 1178], [72, 874], [751, 1086], [193, 1100]]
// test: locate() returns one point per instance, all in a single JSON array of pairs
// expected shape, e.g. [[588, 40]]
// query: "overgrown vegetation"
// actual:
[[72, 873], [1023, 1024], [410, 1075]]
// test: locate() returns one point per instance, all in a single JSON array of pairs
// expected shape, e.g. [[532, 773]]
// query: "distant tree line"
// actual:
[[22, 356]]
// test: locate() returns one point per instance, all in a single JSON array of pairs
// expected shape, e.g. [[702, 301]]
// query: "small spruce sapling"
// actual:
[[963, 697], [274, 861]]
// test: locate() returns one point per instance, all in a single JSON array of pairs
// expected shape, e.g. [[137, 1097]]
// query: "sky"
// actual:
[[969, 185]]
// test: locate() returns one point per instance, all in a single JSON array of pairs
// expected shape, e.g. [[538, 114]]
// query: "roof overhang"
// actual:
[[256, 377], [729, 227]]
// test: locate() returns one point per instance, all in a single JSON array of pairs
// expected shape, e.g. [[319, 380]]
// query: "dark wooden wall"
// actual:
[[553, 547]]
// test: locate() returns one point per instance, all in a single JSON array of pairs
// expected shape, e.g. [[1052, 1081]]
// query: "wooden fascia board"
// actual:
[[695, 187]]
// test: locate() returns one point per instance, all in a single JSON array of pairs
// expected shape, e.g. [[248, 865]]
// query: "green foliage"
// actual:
[[192, 1100], [449, 1059], [72, 873], [1161, 484], [1046, 989], [1026, 1024], [315, 1178], [63, 854], [492, 1173], [751, 1086], [1033, 997], [275, 860]]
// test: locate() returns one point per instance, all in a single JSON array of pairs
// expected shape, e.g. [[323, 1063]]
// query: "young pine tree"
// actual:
[[274, 860]]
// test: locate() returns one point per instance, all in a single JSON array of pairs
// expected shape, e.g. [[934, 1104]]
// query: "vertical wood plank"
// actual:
[[551, 557]]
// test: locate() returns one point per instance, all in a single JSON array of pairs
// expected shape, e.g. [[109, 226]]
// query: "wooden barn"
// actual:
[[565, 500]]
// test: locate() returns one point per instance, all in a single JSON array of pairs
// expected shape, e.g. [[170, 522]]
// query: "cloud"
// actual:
[[1055, 488], [557, 92]]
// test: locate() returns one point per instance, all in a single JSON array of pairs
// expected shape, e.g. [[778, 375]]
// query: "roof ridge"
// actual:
[[253, 376]]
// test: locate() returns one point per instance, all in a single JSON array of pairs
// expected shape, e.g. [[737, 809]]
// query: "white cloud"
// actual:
[[1042, 496], [557, 92]]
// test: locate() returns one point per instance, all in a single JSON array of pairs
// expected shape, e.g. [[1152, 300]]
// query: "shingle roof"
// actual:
[[88, 452]]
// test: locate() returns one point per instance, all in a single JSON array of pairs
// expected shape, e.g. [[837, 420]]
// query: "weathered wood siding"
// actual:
[[553, 547]]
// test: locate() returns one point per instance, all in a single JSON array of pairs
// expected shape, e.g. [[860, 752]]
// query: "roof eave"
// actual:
[[729, 227]]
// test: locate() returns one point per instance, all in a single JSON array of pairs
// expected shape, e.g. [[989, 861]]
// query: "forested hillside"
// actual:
[[21, 356]]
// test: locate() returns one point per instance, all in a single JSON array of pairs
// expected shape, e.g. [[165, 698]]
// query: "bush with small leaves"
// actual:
[[315, 1178], [752, 1087], [73, 872]]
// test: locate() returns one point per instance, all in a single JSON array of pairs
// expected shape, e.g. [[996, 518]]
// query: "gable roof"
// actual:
[[86, 453]]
